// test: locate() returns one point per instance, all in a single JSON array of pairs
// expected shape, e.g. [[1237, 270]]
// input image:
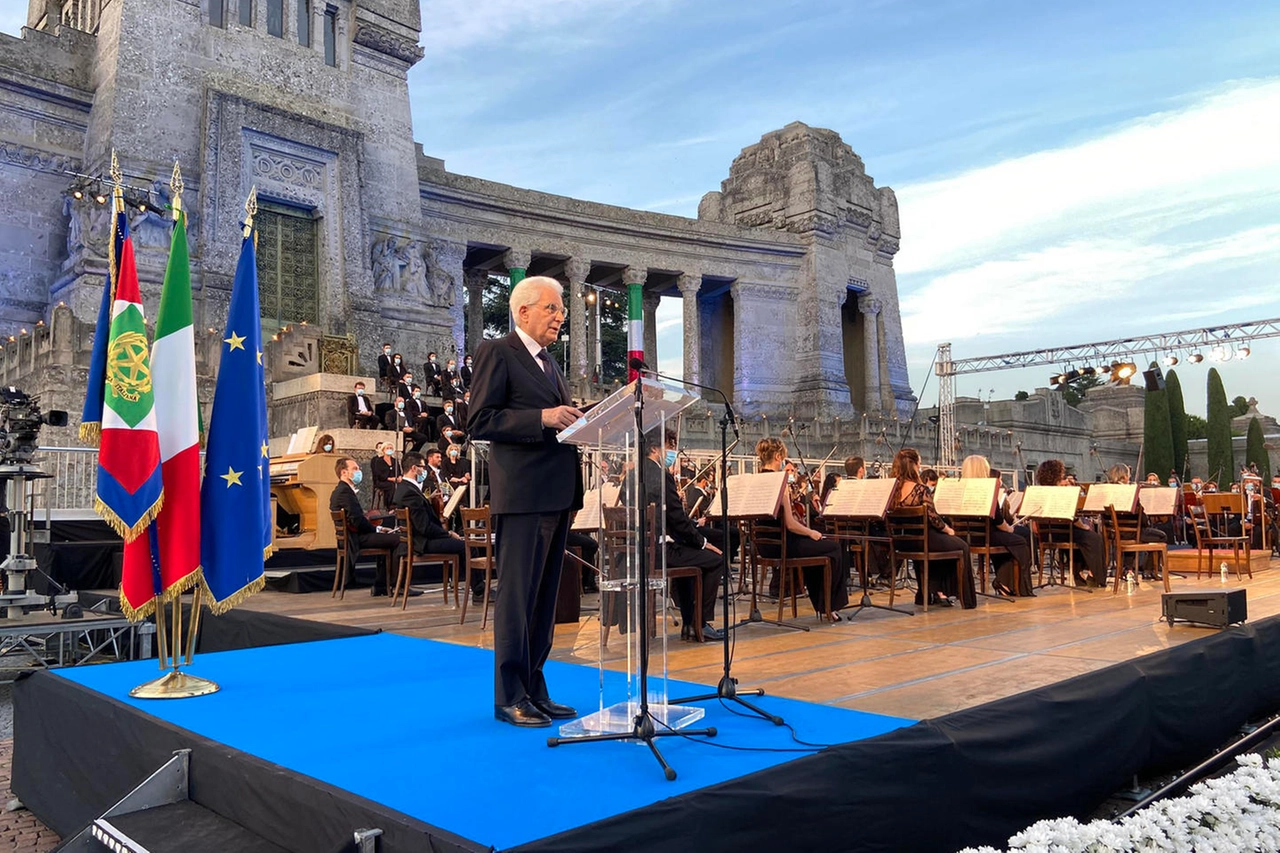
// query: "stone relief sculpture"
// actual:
[[74, 225], [413, 279], [410, 268], [441, 287], [383, 262]]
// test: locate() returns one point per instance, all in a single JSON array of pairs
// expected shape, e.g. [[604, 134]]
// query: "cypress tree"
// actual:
[[1256, 452], [1221, 460], [1157, 437], [1177, 423]]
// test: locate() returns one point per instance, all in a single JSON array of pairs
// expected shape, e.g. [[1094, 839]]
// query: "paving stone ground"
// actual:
[[20, 832]]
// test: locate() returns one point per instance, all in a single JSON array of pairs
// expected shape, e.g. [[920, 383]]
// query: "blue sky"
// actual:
[[1066, 172]]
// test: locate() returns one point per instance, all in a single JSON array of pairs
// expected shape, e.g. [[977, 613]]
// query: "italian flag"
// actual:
[[173, 359], [635, 326]]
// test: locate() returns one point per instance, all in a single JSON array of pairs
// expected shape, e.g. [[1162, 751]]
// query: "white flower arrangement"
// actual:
[[1230, 814]]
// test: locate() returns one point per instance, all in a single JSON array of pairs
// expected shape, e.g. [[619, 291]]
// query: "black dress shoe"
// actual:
[[523, 713], [711, 634], [375, 592], [554, 710]]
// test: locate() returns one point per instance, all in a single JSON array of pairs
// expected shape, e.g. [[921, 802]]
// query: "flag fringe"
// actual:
[[218, 608], [190, 581], [91, 433], [136, 614], [116, 523]]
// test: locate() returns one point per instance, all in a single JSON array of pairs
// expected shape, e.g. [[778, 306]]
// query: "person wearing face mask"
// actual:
[[361, 532], [422, 419], [455, 468], [461, 407], [360, 414], [399, 367], [465, 371], [324, 444], [399, 419], [384, 368], [429, 535], [450, 375], [385, 470], [431, 374], [450, 420], [404, 388]]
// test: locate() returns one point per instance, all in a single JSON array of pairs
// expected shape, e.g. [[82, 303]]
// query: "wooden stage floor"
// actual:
[[918, 667]]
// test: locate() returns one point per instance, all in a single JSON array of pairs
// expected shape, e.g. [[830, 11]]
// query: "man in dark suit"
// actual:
[[384, 367], [360, 412], [431, 374], [685, 545], [465, 371], [462, 407], [361, 533], [404, 388], [450, 420], [399, 419], [429, 536], [521, 401]]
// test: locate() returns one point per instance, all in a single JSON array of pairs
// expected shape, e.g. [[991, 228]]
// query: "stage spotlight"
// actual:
[[591, 296], [1242, 353], [1072, 375], [100, 198], [1088, 371], [1057, 379], [1195, 358], [77, 193], [1170, 360], [1122, 373], [1105, 368]]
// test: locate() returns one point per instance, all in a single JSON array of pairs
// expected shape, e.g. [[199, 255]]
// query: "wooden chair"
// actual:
[[856, 535], [617, 545], [1055, 537], [790, 570], [404, 574], [1125, 532], [1212, 529], [909, 530], [477, 533], [349, 551], [977, 532]]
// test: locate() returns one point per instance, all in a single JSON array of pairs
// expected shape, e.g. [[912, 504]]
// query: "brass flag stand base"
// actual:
[[176, 684]]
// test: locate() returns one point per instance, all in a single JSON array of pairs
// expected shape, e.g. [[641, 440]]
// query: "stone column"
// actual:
[[870, 309], [651, 301], [475, 282], [576, 272], [634, 278], [690, 284], [517, 261]]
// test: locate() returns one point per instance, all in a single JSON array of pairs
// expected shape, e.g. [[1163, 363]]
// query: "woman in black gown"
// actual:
[[911, 492]]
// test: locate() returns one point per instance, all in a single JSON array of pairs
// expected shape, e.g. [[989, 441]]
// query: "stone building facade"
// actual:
[[786, 276]]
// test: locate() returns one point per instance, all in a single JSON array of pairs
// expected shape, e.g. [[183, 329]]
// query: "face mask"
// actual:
[[1249, 489], [791, 478], [359, 392], [1173, 482], [421, 477], [387, 451], [357, 477], [400, 406], [386, 351], [397, 359], [432, 359], [453, 456], [328, 448], [448, 410], [671, 458], [408, 380], [448, 433]]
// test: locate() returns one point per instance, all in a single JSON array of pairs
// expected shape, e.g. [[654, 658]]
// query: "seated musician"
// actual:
[[589, 548], [829, 484], [855, 468], [1017, 563], [1120, 473], [422, 418], [361, 532], [683, 544], [1153, 479], [696, 496], [450, 421], [435, 480], [386, 471], [360, 414], [911, 491], [384, 368], [324, 444], [805, 542], [1090, 543], [429, 535], [399, 419], [456, 470]]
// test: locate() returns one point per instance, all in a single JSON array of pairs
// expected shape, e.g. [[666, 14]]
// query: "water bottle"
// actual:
[[1223, 571], [1129, 583]]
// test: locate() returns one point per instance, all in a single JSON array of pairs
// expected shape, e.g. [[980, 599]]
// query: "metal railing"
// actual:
[[73, 477]]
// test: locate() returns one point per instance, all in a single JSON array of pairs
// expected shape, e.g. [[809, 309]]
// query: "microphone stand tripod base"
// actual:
[[175, 685]]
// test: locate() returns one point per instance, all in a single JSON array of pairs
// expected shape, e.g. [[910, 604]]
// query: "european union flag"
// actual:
[[235, 497], [91, 415]]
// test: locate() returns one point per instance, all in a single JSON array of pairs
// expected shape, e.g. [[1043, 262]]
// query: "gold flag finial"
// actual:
[[117, 178], [250, 210], [176, 185]]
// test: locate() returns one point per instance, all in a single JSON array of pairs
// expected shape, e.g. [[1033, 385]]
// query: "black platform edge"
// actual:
[[973, 777]]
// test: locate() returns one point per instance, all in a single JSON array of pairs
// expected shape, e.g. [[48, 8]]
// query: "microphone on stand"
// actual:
[[638, 365]]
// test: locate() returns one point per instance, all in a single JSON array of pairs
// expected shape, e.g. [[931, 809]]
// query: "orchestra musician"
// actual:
[[324, 444], [803, 541], [435, 478], [1120, 473], [361, 532], [521, 402], [429, 535], [1089, 542], [1016, 563], [385, 469], [911, 491], [878, 565], [360, 413], [855, 468]]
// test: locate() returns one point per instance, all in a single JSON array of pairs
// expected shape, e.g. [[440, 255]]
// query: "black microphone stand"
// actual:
[[642, 727], [727, 689]]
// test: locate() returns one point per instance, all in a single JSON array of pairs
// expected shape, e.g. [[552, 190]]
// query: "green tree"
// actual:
[[1197, 427], [1177, 422], [1255, 451], [1239, 405], [1021, 395], [1157, 435], [1074, 392], [1221, 460]]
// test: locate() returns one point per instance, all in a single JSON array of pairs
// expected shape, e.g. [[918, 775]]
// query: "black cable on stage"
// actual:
[[697, 739]]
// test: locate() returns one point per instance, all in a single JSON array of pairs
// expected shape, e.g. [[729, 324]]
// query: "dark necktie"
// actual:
[[545, 358]]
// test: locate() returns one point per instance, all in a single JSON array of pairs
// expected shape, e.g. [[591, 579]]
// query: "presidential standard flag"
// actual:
[[174, 567], [235, 500], [130, 489], [91, 416]]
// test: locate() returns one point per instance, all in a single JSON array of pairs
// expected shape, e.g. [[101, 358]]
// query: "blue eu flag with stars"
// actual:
[[235, 496]]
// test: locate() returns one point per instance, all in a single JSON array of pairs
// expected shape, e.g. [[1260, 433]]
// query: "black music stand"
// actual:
[[867, 538]]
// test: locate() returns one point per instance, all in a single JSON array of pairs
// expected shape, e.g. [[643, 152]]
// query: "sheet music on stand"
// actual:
[[860, 498], [753, 495], [590, 516], [1159, 500], [968, 497], [1054, 502], [452, 506], [1122, 496], [610, 419]]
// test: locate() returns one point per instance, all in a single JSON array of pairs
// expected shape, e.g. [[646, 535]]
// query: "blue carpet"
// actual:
[[438, 755]]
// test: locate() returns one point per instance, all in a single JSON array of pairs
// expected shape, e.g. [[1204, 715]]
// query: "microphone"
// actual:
[[638, 365]]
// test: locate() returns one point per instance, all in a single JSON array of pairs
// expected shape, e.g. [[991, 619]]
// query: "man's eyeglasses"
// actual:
[[553, 308]]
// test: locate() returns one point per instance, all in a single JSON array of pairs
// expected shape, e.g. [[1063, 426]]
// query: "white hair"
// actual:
[[529, 291]]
